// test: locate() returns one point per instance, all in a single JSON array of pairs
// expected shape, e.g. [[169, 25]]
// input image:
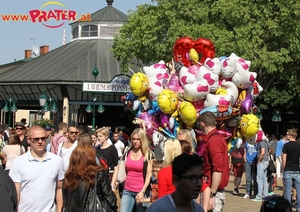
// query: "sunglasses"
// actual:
[[72, 132], [18, 128], [35, 140], [195, 178]]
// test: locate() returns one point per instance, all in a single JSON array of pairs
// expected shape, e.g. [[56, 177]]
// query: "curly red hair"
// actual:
[[82, 167]]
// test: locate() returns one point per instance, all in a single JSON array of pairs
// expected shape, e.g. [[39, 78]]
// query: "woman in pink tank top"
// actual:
[[139, 168]]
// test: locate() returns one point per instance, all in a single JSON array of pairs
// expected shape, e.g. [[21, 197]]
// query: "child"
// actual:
[[156, 166]]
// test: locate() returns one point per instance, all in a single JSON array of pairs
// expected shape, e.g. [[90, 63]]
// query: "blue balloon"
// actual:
[[222, 58]]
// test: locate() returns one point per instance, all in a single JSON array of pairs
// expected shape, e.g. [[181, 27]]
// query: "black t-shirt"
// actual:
[[110, 154], [292, 151], [25, 143]]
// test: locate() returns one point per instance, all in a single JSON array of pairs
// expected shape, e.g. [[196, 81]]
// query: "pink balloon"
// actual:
[[199, 105], [225, 134], [174, 83], [151, 124], [164, 120], [193, 69]]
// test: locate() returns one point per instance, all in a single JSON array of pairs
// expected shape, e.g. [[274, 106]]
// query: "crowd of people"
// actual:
[[70, 167]]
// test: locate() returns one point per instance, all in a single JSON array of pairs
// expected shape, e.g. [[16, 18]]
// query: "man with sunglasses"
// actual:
[[215, 161], [187, 179], [38, 175], [20, 130], [66, 148]]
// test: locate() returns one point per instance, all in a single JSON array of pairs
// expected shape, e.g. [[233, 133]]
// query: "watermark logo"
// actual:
[[46, 16]]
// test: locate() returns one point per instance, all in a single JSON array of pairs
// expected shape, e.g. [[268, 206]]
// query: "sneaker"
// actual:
[[270, 193], [257, 199], [235, 191], [246, 196]]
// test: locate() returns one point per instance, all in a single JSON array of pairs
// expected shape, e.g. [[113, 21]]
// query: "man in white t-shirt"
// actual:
[[66, 148], [38, 176], [118, 144]]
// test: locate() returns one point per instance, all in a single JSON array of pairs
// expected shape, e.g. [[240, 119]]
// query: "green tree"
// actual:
[[266, 32]]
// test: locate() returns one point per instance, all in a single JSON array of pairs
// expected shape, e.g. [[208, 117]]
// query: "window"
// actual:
[[75, 32], [89, 31]]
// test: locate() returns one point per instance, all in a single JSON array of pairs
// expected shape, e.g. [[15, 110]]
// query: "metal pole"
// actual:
[[94, 119], [9, 114]]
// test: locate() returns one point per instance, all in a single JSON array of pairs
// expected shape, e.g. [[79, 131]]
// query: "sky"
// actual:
[[18, 36]]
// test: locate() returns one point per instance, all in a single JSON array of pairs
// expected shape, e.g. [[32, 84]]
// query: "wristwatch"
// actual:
[[212, 194]]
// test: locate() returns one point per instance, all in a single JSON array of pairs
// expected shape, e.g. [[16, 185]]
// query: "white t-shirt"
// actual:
[[38, 181], [109, 141], [65, 154], [119, 146]]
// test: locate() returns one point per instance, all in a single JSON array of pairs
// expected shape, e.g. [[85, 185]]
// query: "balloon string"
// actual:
[[131, 70], [166, 132]]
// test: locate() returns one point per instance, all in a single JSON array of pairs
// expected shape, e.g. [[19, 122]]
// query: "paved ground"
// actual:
[[236, 203]]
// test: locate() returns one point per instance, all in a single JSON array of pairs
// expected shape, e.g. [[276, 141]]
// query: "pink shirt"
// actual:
[[57, 139], [134, 180]]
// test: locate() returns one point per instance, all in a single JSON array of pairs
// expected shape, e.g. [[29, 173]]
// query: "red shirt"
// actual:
[[215, 158], [165, 185]]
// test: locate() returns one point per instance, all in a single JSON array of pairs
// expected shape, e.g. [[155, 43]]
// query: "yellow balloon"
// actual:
[[167, 101], [193, 55], [139, 84], [187, 113], [249, 125], [221, 91]]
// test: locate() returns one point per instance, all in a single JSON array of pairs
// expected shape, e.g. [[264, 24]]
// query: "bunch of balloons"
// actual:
[[170, 96]]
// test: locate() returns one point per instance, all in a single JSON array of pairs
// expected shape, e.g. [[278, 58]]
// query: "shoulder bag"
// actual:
[[271, 167], [92, 203], [121, 176]]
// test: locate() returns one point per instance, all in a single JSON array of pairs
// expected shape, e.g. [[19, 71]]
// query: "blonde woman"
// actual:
[[109, 153], [139, 170], [172, 149], [185, 134], [12, 150]]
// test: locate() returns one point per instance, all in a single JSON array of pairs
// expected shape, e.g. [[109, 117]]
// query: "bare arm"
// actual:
[[147, 182], [283, 161], [261, 156], [59, 197], [206, 197], [216, 179], [18, 189], [114, 177]]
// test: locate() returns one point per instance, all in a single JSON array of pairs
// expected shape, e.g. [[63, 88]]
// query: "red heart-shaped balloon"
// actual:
[[183, 45]]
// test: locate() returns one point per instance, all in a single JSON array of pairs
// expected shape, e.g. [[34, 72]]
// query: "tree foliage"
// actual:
[[266, 32]]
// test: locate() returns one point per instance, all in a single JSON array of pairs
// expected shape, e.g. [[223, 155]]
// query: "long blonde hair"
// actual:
[[147, 153], [172, 149], [188, 137]]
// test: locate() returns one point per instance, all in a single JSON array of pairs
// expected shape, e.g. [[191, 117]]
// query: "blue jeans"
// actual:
[[250, 177], [288, 177], [128, 202], [261, 179]]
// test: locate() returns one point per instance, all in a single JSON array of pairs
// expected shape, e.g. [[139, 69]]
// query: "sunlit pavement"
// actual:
[[236, 203]]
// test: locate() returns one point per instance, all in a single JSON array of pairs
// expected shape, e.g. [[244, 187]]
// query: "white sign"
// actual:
[[119, 84], [104, 87]]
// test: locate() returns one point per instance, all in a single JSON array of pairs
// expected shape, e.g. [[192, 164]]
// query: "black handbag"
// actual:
[[96, 202], [92, 203], [271, 167]]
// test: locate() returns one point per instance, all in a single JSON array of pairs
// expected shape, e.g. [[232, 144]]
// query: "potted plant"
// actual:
[[43, 122]]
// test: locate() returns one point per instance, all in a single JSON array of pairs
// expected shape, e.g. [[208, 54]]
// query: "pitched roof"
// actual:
[[71, 62], [109, 13]]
